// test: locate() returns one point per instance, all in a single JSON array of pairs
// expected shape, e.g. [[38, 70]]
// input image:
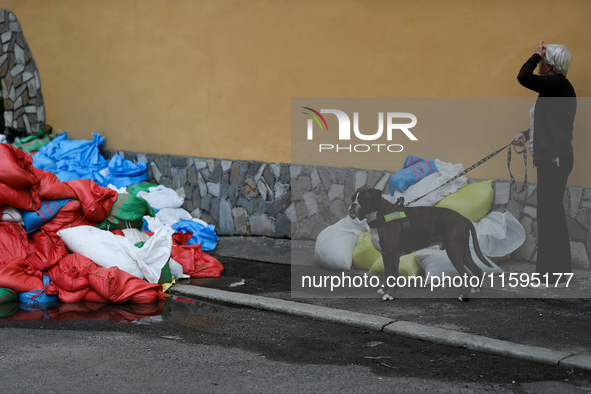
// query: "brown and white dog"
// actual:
[[430, 225]]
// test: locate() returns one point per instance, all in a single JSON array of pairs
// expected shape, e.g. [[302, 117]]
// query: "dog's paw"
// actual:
[[381, 291], [464, 298], [475, 290], [387, 297]]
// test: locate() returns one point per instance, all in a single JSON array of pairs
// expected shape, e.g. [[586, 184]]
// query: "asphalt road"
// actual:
[[197, 346]]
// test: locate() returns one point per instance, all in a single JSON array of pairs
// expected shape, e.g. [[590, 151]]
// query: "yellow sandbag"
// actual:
[[472, 201], [364, 254], [408, 266]]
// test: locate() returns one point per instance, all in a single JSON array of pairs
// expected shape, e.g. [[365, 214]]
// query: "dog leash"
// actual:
[[487, 158]]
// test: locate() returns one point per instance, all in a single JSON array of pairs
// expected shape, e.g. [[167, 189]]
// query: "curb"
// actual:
[[396, 327]]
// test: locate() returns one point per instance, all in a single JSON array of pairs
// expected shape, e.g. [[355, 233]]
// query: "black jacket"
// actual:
[[555, 111]]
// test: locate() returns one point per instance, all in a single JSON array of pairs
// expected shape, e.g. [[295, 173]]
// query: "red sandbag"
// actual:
[[117, 286], [70, 297], [16, 168], [127, 312], [22, 199], [92, 296], [49, 249], [51, 188], [13, 242], [69, 216], [179, 238], [196, 263], [96, 201], [19, 276], [71, 273]]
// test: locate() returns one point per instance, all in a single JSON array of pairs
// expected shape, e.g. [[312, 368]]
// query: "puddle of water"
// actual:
[[138, 313]]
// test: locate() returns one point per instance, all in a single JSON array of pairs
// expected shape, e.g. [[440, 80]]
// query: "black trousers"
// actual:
[[553, 240]]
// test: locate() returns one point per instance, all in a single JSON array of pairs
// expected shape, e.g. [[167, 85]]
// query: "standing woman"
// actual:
[[550, 136]]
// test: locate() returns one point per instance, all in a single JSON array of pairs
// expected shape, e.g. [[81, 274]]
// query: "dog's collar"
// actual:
[[380, 221]]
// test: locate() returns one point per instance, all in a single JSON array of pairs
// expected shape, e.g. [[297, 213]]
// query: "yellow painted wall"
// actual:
[[215, 78]]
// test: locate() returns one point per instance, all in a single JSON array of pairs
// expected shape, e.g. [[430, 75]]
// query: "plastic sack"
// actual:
[[195, 262], [16, 168], [13, 242], [472, 201], [364, 253], [95, 201], [33, 220], [499, 234], [48, 250], [430, 185], [413, 170], [122, 172], [169, 216], [436, 263], [18, 275], [32, 143], [7, 295], [407, 266], [21, 199], [162, 197], [51, 188], [11, 214], [70, 297], [334, 245], [203, 235], [140, 187], [107, 250], [117, 286], [38, 296], [71, 272], [69, 216], [127, 211]]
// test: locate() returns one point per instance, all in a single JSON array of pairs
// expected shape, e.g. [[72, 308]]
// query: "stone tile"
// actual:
[[336, 191], [308, 229], [280, 189], [285, 173], [265, 190], [526, 250], [196, 197], [579, 256], [350, 184], [256, 205], [295, 190], [584, 217], [206, 202], [226, 218], [178, 161], [576, 231], [307, 170], [502, 192], [275, 170], [339, 208], [269, 177], [205, 173], [242, 202], [270, 209], [201, 185], [342, 174], [249, 188], [210, 165], [216, 175], [262, 225], [282, 226], [290, 211], [328, 213], [301, 211], [526, 223], [200, 164], [295, 171], [226, 165], [233, 194], [373, 178], [155, 172], [315, 178], [586, 203], [360, 179], [213, 189], [235, 174], [254, 168], [333, 173], [515, 208], [241, 224], [281, 203], [225, 184], [324, 177], [214, 210], [305, 183], [321, 195], [383, 183], [576, 195], [259, 173], [530, 211], [192, 175], [311, 203], [179, 177], [244, 169]]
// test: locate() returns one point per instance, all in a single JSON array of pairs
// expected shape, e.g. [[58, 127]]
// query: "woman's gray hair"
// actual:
[[559, 57]]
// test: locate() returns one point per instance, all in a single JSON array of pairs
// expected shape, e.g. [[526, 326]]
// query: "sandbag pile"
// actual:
[[347, 244], [55, 243]]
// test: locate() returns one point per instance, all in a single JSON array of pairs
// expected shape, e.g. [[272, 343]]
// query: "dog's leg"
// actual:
[[391, 262], [457, 259]]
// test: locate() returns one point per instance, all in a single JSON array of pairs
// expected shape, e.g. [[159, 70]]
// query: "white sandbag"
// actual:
[[445, 171], [11, 214], [162, 197], [436, 263], [120, 190], [170, 216], [334, 245], [499, 234], [135, 235], [154, 223], [176, 269], [107, 250]]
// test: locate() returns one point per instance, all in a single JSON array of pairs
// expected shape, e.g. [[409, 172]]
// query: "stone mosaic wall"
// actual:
[[21, 86], [297, 201]]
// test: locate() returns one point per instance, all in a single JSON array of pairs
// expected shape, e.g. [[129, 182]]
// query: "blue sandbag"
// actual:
[[48, 209], [36, 297], [202, 235], [414, 170], [123, 173]]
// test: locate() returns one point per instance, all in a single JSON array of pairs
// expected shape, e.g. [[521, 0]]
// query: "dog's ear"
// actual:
[[376, 196]]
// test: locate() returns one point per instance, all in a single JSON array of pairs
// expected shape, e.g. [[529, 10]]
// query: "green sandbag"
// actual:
[[8, 309], [127, 212], [140, 187], [32, 143], [7, 295]]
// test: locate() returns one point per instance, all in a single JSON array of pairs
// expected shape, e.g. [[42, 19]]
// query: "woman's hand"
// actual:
[[519, 140], [541, 49]]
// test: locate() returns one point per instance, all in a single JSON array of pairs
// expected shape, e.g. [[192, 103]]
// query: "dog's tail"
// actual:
[[477, 246]]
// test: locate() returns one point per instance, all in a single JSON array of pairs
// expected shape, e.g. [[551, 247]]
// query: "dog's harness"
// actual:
[[398, 214]]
